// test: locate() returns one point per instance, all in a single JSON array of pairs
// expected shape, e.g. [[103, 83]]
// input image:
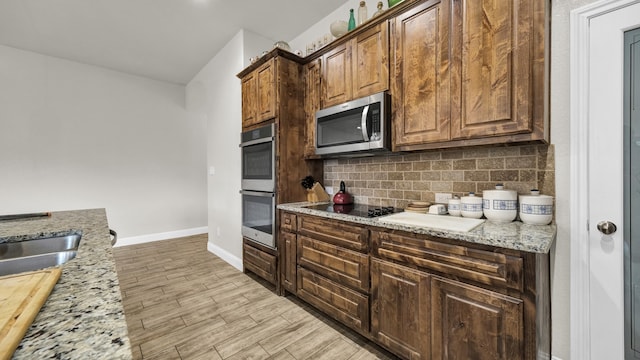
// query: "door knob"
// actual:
[[607, 227]]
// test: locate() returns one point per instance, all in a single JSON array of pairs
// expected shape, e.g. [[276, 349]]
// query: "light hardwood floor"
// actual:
[[182, 302]]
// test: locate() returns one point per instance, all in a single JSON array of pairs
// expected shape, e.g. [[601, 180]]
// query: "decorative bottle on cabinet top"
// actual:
[[352, 21], [362, 13], [380, 11]]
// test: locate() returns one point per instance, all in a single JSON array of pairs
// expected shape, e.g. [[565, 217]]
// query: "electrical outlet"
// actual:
[[329, 190], [442, 198], [218, 231]]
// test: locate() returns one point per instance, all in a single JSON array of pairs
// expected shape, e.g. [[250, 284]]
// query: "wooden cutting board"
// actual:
[[21, 297]]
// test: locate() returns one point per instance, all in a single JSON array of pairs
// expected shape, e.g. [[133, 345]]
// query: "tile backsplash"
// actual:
[[395, 180]]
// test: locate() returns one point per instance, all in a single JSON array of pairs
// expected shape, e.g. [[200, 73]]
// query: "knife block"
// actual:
[[317, 193]]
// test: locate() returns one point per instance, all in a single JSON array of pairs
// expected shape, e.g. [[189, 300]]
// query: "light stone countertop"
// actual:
[[83, 318], [514, 235]]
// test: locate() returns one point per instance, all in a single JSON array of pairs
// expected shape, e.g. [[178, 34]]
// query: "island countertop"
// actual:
[[83, 317], [514, 235]]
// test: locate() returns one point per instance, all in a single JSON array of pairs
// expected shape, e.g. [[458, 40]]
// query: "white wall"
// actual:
[[74, 136], [215, 93]]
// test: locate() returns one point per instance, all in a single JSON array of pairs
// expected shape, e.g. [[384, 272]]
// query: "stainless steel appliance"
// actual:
[[258, 216], [258, 185], [258, 159], [356, 127]]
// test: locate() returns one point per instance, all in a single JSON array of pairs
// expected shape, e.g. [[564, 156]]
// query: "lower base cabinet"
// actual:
[[400, 309], [341, 303], [408, 307], [287, 244], [473, 323], [420, 297], [260, 260]]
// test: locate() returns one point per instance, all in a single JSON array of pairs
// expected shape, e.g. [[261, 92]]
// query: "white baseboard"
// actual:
[[223, 254], [555, 358], [133, 240]]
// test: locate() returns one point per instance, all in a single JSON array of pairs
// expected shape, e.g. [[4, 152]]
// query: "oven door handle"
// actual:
[[257, 141], [363, 124], [257, 193]]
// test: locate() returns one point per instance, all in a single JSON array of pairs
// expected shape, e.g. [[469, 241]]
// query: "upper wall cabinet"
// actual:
[[259, 95], [469, 73], [497, 68], [357, 68], [420, 82]]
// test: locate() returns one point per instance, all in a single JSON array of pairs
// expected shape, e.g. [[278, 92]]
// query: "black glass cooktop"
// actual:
[[356, 209]]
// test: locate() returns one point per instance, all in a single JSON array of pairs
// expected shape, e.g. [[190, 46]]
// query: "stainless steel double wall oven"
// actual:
[[258, 185]]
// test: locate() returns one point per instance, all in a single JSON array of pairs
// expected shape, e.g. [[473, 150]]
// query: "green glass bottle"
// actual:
[[352, 20]]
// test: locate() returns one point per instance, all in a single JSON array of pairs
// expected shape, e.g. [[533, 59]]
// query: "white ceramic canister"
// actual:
[[536, 209], [471, 206], [454, 206], [500, 205]]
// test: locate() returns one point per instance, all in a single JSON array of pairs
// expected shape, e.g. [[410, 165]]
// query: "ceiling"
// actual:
[[169, 40]]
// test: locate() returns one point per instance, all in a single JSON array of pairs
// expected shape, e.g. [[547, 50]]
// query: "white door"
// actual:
[[597, 174]]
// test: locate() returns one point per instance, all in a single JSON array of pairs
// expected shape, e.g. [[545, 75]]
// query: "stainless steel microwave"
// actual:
[[358, 127]]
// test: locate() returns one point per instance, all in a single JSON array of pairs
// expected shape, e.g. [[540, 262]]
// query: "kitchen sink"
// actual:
[[35, 254], [35, 262], [39, 246]]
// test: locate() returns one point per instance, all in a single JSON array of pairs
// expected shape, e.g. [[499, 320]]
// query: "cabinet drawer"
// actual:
[[288, 222], [259, 262], [334, 232], [344, 266], [459, 261], [345, 305]]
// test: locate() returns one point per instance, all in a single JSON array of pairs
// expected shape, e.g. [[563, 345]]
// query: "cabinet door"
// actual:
[[474, 323], [400, 309], [266, 91], [420, 87], [344, 234], [287, 247], [343, 304], [336, 76], [249, 98], [344, 266], [311, 105], [492, 67], [259, 262], [370, 61]]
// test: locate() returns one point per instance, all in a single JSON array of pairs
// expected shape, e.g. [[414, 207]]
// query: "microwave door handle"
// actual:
[[363, 124]]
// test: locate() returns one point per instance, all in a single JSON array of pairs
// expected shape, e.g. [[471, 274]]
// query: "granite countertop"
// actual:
[[514, 235], [83, 317]]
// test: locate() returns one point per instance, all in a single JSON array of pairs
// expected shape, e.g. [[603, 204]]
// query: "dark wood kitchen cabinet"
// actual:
[[356, 68], [260, 260], [470, 73], [481, 302], [420, 83], [287, 245], [400, 309], [474, 323], [499, 69], [419, 296], [333, 269], [259, 95]]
